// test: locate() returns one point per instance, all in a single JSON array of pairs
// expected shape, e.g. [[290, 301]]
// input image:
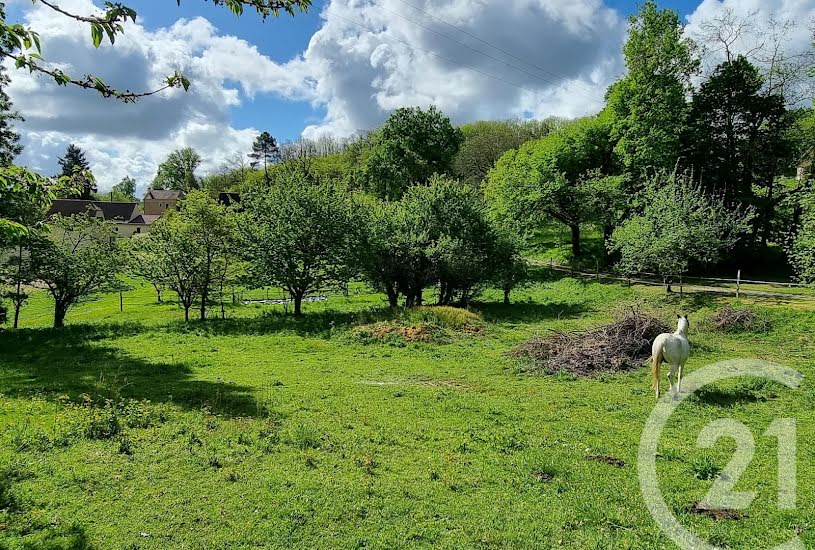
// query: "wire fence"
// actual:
[[737, 286]]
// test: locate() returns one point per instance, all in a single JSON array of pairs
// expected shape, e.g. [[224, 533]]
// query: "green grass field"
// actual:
[[135, 430]]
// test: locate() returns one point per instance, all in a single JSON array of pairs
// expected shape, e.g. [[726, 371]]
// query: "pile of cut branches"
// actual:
[[617, 347], [730, 319]]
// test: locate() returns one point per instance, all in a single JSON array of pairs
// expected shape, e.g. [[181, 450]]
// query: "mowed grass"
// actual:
[[134, 430]]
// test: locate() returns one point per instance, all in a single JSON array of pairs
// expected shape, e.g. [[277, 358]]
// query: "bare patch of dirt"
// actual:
[[714, 512], [606, 459]]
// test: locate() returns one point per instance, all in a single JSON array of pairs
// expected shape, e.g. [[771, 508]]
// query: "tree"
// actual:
[[125, 190], [437, 234], [22, 43], [10, 145], [738, 137], [559, 176], [486, 140], [28, 211], [144, 256], [802, 251], [77, 261], [194, 246], [178, 171], [648, 105], [76, 167], [266, 151], [299, 236], [679, 224], [408, 149]]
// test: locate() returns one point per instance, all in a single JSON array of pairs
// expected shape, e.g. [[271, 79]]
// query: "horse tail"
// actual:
[[656, 362]]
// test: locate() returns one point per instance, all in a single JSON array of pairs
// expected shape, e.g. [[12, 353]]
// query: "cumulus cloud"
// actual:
[[553, 58], [368, 58]]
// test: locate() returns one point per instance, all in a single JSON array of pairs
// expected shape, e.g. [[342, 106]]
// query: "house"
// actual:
[[125, 216], [158, 201]]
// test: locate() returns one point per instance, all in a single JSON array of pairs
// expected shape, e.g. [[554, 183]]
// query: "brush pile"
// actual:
[[617, 347], [730, 319]]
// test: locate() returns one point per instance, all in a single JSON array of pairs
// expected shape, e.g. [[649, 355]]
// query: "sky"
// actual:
[[341, 68]]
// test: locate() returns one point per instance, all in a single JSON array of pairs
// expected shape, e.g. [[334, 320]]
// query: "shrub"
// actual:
[[730, 319]]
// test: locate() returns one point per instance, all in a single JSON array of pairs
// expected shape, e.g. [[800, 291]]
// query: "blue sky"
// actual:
[[336, 72]]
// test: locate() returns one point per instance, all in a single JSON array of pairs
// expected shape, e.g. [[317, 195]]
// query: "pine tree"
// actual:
[[75, 165], [266, 150]]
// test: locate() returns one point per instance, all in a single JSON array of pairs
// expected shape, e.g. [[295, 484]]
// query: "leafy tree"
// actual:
[[486, 140], [10, 145], [738, 136], [145, 256], [178, 171], [648, 105], [125, 190], [386, 248], [298, 236], [679, 224], [22, 43], [438, 234], [460, 239], [28, 211], [802, 251], [408, 149], [266, 151], [561, 176], [75, 166], [195, 244], [77, 261]]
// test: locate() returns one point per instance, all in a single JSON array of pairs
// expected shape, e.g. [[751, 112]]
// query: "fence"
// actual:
[[737, 286]]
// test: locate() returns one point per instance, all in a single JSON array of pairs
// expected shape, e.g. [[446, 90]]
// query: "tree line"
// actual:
[[683, 168]]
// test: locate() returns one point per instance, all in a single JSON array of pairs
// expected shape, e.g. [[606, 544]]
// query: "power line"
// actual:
[[430, 52], [466, 45], [489, 44]]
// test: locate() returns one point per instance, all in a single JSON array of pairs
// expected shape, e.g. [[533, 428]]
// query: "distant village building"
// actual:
[[158, 201], [125, 216]]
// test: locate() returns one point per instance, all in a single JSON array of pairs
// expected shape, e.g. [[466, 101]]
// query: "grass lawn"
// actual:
[[135, 430]]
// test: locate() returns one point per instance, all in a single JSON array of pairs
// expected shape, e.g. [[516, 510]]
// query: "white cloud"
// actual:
[[792, 32], [565, 52], [357, 73]]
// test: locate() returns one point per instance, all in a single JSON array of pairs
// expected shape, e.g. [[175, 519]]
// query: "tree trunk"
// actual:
[[668, 282], [59, 314], [158, 294], [186, 312], [204, 294], [393, 296], [18, 301], [298, 304], [575, 239], [507, 290]]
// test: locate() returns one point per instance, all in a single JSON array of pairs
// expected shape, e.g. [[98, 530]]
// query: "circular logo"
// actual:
[[649, 442]]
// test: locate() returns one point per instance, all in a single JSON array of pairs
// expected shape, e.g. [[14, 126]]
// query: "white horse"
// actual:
[[673, 349]]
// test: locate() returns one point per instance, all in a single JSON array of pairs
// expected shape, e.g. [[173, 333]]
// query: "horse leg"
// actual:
[[679, 379], [671, 377]]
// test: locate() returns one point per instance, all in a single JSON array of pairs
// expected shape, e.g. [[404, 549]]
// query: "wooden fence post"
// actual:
[[681, 287], [597, 266], [121, 302], [738, 283]]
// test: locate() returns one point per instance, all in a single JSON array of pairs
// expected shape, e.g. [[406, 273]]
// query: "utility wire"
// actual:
[[459, 29], [429, 52], [485, 54]]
